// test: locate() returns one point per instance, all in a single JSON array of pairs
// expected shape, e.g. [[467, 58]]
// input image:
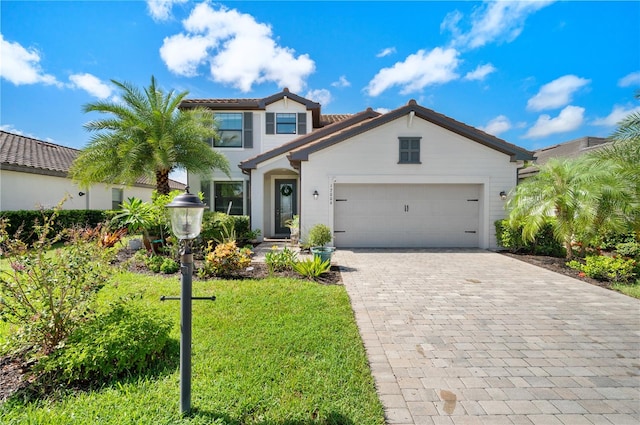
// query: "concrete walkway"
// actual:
[[475, 337]]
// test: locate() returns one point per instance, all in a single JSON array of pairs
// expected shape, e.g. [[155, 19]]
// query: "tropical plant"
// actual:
[[559, 190], [146, 134], [137, 216], [280, 260], [225, 259], [312, 268]]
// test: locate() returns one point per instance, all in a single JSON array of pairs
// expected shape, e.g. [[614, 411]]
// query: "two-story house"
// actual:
[[407, 178]]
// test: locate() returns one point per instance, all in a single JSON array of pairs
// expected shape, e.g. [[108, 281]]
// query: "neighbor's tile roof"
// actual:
[[327, 119], [29, 155]]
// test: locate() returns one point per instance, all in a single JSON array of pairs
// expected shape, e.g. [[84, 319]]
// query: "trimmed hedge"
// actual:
[[66, 219]]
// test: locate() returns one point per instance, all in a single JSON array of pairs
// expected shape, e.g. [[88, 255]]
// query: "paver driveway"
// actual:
[[475, 337]]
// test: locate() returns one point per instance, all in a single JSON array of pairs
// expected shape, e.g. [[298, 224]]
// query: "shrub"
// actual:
[[544, 242], [154, 263], [278, 261], [124, 339], [629, 249], [320, 235], [225, 260], [46, 293], [615, 269], [169, 266], [312, 268], [65, 219]]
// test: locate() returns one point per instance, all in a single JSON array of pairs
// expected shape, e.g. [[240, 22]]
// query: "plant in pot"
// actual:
[[319, 236], [294, 228]]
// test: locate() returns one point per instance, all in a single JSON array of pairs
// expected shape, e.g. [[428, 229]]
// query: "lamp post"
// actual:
[[186, 212]]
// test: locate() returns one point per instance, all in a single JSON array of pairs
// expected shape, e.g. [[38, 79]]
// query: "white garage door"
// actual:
[[406, 215]]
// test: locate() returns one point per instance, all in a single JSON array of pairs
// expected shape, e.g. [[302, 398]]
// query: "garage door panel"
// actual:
[[392, 215]]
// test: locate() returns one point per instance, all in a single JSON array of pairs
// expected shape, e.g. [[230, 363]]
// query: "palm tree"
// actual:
[[558, 192], [146, 135]]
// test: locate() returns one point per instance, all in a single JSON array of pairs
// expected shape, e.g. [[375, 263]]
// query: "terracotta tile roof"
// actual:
[[29, 155], [327, 119]]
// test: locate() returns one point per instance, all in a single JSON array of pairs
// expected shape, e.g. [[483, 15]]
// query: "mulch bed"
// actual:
[[558, 265]]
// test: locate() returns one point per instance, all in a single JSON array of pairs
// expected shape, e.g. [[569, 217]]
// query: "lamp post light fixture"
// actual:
[[186, 212]]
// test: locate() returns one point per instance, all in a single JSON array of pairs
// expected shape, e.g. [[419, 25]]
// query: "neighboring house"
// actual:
[[407, 178], [33, 174], [571, 149]]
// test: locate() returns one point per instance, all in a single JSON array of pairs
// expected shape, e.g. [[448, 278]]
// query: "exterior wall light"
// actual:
[[186, 212], [503, 195], [81, 193], [315, 195]]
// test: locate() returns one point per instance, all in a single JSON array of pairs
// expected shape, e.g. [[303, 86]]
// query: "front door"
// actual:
[[286, 205]]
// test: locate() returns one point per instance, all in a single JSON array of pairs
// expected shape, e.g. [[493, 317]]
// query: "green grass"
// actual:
[[269, 352], [632, 290]]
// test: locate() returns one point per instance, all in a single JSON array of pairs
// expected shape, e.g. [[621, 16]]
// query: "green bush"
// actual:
[[544, 242], [169, 266], [312, 268], [126, 338], [65, 219], [46, 293], [319, 235], [278, 260], [154, 263], [615, 269], [629, 249], [217, 226]]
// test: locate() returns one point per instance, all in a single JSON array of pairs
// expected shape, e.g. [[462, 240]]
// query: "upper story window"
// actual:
[[286, 123], [409, 150], [229, 130]]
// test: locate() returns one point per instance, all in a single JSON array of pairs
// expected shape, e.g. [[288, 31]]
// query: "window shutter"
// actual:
[[302, 123], [248, 129], [271, 128]]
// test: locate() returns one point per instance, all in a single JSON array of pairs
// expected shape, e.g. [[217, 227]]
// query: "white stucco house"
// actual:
[[408, 178], [33, 175]]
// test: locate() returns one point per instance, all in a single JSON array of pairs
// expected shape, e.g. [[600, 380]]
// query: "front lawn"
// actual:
[[273, 351]]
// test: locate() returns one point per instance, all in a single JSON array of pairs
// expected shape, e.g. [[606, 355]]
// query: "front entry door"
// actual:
[[286, 205]]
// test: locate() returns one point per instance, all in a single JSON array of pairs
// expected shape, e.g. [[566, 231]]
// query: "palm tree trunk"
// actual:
[[162, 182]]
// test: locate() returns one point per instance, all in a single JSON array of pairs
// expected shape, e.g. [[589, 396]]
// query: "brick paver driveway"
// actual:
[[475, 337]]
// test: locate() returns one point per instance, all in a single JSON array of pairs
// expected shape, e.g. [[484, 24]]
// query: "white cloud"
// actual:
[[322, 96], [570, 118], [497, 126], [342, 82], [494, 21], [417, 71], [557, 93], [386, 52], [382, 110], [629, 80], [21, 66], [480, 72], [160, 10], [239, 51], [618, 113], [91, 84]]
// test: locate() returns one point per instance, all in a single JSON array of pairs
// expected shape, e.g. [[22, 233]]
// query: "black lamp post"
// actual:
[[186, 212]]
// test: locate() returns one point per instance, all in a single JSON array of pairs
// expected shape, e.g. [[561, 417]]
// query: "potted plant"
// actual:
[[319, 236], [294, 228]]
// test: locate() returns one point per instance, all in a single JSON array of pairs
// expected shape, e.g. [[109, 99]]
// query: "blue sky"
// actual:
[[532, 73]]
